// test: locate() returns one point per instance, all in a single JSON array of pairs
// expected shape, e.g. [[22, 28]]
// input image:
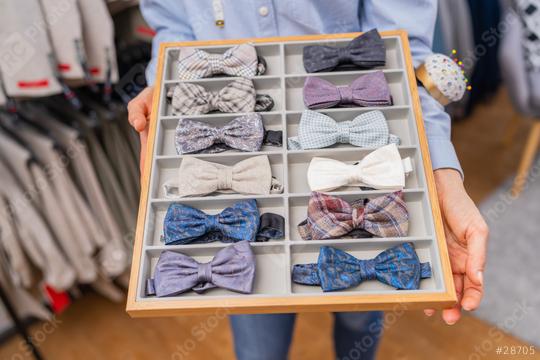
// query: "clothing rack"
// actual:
[[20, 327]]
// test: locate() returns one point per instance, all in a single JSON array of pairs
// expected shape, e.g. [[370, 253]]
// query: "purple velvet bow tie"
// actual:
[[367, 90], [233, 268]]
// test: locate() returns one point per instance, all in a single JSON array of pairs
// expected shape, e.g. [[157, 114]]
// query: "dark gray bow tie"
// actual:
[[365, 51]]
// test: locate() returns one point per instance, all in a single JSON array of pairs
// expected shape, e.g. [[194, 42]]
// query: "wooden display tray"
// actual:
[[274, 292]]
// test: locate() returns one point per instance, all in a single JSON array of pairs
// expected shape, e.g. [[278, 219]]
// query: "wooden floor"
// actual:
[[94, 328]]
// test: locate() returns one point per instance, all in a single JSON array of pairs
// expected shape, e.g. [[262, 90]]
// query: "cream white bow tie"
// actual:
[[381, 169]]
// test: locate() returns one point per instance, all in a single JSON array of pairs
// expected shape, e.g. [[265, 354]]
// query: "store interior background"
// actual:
[[491, 131]]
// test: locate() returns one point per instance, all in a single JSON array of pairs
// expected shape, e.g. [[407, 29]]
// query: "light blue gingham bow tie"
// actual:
[[318, 131]]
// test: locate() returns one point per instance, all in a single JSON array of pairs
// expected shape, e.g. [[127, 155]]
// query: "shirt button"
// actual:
[[263, 11]]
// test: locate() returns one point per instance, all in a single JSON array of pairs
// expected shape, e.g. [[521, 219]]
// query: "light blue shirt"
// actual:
[[181, 20]]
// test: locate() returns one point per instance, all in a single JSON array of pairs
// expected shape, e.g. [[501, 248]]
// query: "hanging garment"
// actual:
[[454, 30], [110, 185], [515, 70], [117, 148], [98, 33], [486, 76], [529, 14], [25, 50], [78, 250], [65, 29], [108, 289], [457, 30], [25, 304], [43, 194], [17, 266], [124, 165], [132, 137], [3, 99], [113, 255], [113, 191], [38, 243], [58, 180]]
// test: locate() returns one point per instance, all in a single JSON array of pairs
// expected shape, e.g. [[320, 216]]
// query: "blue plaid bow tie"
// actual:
[[398, 266], [184, 224], [317, 131]]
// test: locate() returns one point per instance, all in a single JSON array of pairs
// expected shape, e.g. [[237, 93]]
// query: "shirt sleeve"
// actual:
[[397, 14], [168, 18]]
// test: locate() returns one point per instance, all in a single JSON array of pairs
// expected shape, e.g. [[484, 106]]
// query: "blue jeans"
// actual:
[[268, 336]]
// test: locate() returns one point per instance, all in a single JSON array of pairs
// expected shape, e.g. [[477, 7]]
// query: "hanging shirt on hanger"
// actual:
[[42, 194], [113, 254], [27, 55], [16, 264], [65, 29], [98, 32], [38, 242]]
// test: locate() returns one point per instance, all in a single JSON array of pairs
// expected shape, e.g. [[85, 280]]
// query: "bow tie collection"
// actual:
[[328, 217], [336, 270]]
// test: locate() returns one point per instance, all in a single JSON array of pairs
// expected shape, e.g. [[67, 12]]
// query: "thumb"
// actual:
[[137, 114], [139, 109], [477, 247], [139, 122]]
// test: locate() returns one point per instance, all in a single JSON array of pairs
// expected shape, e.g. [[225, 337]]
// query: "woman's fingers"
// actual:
[[139, 109]]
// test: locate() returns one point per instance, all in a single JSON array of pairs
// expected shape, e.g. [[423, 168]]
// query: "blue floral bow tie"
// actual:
[[335, 270], [184, 224]]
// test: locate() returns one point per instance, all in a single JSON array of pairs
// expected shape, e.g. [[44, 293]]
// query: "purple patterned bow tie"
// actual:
[[233, 268], [244, 133], [367, 90]]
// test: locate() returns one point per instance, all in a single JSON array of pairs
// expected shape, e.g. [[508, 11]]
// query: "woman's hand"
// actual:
[[466, 237], [139, 115]]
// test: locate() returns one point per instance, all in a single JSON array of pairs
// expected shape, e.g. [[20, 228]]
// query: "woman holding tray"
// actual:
[[356, 334]]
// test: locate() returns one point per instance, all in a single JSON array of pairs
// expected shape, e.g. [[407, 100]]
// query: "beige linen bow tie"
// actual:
[[198, 178]]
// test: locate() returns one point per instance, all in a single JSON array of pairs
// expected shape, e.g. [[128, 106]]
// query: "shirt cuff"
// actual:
[[443, 155], [151, 72]]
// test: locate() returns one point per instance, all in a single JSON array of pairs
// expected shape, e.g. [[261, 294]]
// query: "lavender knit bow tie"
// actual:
[[233, 268], [365, 51], [367, 90]]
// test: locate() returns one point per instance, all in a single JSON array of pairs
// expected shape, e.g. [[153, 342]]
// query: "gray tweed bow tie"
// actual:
[[365, 51]]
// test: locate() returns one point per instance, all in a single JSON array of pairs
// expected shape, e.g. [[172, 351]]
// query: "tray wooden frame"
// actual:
[[287, 304]]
